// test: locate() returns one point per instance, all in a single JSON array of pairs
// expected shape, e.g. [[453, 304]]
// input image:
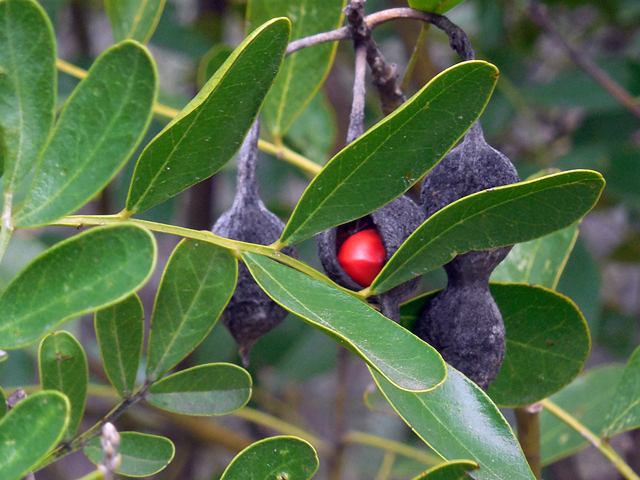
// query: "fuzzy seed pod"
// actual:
[[463, 323], [250, 312], [394, 223]]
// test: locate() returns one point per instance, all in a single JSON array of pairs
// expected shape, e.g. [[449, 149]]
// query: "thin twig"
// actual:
[[417, 50], [528, 420], [592, 438], [538, 14], [457, 38], [392, 446], [356, 119]]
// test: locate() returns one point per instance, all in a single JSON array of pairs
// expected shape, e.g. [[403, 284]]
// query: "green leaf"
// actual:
[[29, 430], [212, 389], [389, 158], [588, 399], [399, 356], [456, 470], [211, 62], [63, 367], [27, 87], [547, 344], [436, 6], [99, 128], [279, 458], [134, 19], [142, 454], [196, 286], [120, 333], [624, 413], [92, 270], [540, 261], [458, 420], [493, 218], [209, 130], [314, 132], [303, 72], [547, 341]]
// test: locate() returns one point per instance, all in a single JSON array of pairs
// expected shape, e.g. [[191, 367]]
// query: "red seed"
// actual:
[[362, 256]]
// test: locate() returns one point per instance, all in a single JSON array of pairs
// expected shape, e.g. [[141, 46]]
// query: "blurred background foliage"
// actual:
[[545, 113]]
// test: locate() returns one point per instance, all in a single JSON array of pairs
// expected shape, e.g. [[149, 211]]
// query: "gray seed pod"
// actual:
[[250, 312], [463, 323], [394, 223]]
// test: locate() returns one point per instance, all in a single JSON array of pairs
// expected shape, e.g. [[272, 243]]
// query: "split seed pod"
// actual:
[[250, 312], [394, 223], [463, 322]]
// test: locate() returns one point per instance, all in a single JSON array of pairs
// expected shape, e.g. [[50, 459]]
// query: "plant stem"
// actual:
[[592, 438], [387, 464], [391, 446], [528, 420], [356, 118], [95, 475], [538, 14], [283, 153], [82, 440], [235, 247], [417, 50], [7, 227], [266, 420]]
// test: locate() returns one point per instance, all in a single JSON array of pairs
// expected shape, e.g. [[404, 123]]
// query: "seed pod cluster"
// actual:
[[393, 223], [250, 312], [463, 322]]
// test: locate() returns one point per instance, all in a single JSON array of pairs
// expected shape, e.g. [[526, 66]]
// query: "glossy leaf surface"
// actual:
[[493, 218], [589, 400], [213, 389], [456, 470], [458, 420], [303, 72], [120, 333], [211, 62], [625, 409], [390, 157], [274, 458], [63, 367], [538, 262], [89, 271], [547, 344], [32, 428], [209, 130], [142, 454], [547, 341], [97, 131], [197, 284], [399, 356], [133, 19], [27, 87]]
